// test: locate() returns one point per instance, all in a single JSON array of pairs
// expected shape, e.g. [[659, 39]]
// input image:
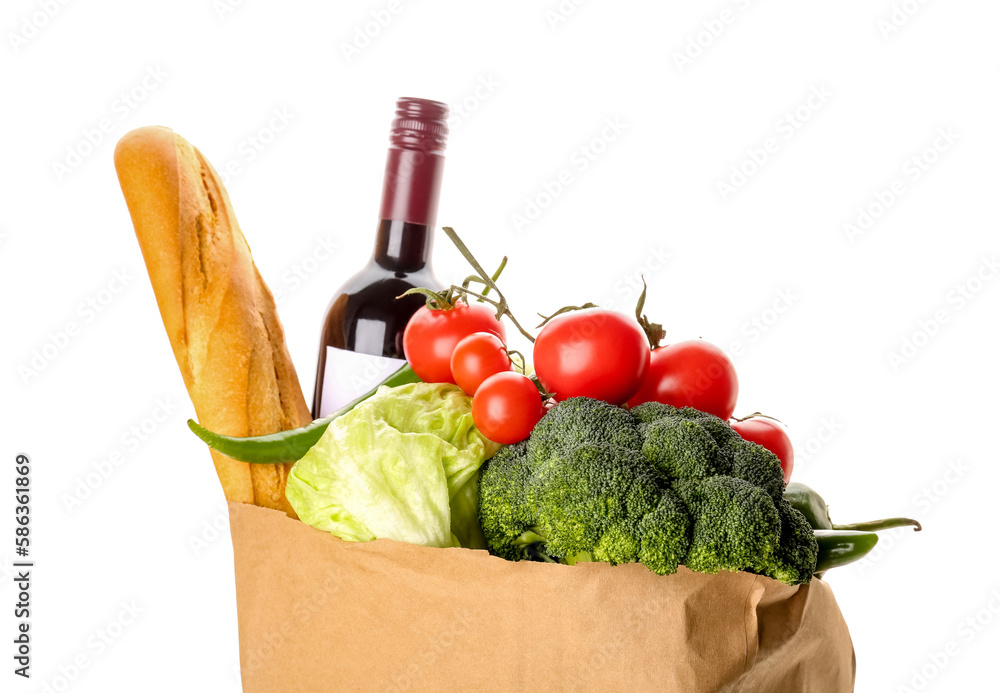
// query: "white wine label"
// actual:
[[350, 374]]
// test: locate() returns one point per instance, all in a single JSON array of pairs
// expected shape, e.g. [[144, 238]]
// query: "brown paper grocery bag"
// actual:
[[320, 614]]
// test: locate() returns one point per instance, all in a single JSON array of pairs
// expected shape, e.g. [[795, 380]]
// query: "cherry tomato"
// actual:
[[592, 353], [770, 434], [506, 407], [476, 358], [695, 374], [430, 337]]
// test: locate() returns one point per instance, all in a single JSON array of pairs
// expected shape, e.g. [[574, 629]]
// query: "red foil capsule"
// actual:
[[415, 163]]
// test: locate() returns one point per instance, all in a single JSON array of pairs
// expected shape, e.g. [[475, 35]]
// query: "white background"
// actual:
[[878, 438]]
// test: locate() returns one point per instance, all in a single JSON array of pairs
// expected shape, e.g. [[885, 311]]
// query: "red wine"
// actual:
[[362, 338]]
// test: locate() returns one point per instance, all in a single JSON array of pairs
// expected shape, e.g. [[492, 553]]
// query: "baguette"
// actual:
[[219, 314]]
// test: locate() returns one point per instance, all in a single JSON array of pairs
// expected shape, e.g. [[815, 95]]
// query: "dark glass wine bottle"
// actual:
[[362, 339]]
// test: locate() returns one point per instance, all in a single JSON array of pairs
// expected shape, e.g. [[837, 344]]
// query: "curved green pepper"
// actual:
[[838, 544], [808, 502], [840, 547], [290, 445]]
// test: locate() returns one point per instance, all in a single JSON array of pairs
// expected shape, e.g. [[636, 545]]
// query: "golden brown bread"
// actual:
[[218, 312]]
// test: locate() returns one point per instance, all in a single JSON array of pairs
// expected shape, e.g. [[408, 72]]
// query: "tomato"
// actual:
[[771, 435], [430, 337], [695, 374], [476, 358], [506, 407], [592, 353]]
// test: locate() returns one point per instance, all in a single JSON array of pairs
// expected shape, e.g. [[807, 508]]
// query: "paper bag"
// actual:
[[320, 614]]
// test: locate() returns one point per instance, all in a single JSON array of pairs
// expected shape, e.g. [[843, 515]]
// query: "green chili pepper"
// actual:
[[811, 504], [291, 445], [840, 547]]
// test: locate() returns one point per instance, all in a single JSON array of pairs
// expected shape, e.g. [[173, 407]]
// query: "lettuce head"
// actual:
[[403, 464]]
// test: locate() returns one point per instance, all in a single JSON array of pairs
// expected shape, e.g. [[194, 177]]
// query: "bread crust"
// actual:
[[219, 315]]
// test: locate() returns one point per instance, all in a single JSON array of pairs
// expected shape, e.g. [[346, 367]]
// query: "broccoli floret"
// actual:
[[665, 535], [648, 412], [581, 493], [722, 433], [503, 508], [795, 559], [620, 543], [580, 420], [736, 526], [759, 466], [681, 449]]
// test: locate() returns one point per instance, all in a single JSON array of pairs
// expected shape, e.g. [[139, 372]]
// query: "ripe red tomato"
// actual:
[[771, 435], [592, 353], [506, 407], [695, 374], [476, 358], [430, 337]]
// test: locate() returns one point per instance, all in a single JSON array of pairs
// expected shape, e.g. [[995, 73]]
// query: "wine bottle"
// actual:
[[362, 336]]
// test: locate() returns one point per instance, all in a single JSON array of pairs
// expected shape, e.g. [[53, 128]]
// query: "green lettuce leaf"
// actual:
[[395, 467]]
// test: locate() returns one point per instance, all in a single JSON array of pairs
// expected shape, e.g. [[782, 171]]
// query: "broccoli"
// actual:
[[583, 420], [648, 412], [689, 444], [619, 543], [681, 449], [655, 484], [503, 510], [735, 524], [580, 493], [795, 559], [722, 433], [665, 535], [759, 466]]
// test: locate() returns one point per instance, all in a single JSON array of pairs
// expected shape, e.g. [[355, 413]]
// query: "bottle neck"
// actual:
[[412, 185], [403, 247]]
